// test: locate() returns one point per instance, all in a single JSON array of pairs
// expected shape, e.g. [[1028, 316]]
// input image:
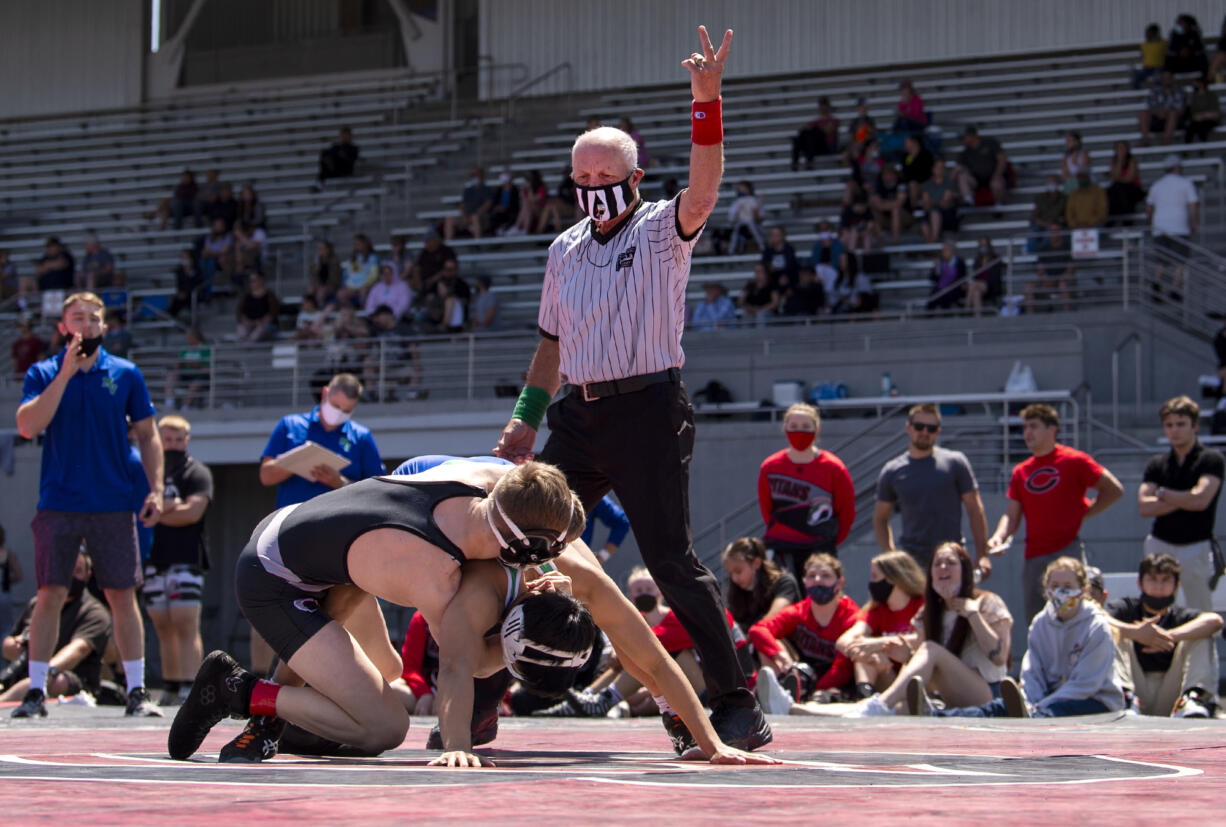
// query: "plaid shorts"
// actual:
[[110, 539]]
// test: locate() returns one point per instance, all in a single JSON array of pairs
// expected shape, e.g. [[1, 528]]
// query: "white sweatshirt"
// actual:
[[1071, 659]]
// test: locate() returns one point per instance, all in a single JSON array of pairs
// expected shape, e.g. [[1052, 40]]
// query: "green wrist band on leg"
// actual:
[[531, 406]]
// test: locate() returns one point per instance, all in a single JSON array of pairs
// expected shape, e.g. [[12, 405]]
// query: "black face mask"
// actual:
[[76, 588], [645, 602], [1156, 604], [174, 461], [88, 346], [880, 590]]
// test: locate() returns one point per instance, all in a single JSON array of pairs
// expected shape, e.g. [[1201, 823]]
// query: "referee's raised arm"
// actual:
[[707, 151]]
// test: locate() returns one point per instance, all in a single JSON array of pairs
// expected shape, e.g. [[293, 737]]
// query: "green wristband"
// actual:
[[531, 406]]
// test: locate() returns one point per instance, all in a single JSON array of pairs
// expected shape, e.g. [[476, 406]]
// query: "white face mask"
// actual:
[[332, 415]]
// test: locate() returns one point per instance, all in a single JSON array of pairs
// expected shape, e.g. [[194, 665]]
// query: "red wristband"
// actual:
[[264, 698], [707, 123]]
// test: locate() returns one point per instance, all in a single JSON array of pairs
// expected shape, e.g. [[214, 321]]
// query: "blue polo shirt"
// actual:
[[609, 513], [85, 448], [351, 440], [415, 465]]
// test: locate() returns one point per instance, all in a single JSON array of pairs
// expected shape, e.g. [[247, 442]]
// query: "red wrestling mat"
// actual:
[[105, 769]]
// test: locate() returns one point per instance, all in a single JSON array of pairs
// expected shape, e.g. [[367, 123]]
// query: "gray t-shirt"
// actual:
[[928, 493]]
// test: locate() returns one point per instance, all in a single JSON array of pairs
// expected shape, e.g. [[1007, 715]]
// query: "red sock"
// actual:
[[264, 698]]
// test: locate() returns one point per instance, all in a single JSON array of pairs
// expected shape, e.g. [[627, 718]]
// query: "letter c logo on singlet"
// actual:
[[307, 604], [1043, 480]]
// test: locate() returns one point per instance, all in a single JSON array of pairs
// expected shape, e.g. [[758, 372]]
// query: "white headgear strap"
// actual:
[[517, 648], [519, 535]]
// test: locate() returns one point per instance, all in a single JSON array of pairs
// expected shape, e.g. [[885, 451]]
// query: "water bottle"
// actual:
[[887, 384]]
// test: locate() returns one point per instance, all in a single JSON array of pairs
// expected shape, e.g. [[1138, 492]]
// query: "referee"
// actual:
[[612, 312]]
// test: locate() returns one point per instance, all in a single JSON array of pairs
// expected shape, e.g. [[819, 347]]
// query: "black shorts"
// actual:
[[284, 614], [109, 537], [1173, 244]]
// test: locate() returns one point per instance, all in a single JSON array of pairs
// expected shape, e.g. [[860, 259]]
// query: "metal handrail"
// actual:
[[518, 92], [1115, 377], [960, 283]]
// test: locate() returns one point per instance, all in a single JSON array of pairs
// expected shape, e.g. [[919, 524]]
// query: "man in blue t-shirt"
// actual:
[[83, 398], [329, 425]]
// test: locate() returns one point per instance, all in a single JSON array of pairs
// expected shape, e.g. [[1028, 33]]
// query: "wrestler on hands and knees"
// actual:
[[399, 539], [627, 424]]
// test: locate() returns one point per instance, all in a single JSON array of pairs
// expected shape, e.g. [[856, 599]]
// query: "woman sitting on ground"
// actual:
[[758, 589], [896, 594]]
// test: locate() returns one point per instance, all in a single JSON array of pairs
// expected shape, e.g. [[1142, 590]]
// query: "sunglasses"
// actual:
[[923, 426]]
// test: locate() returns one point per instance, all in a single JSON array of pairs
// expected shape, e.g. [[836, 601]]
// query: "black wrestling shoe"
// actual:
[[141, 705], [678, 733], [222, 689], [581, 704], [483, 732], [257, 742], [33, 705], [297, 741], [742, 727]]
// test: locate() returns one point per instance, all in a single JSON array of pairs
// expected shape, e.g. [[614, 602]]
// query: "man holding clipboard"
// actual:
[[305, 455]]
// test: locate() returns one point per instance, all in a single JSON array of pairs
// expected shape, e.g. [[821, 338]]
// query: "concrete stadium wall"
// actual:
[[641, 42], [70, 55]]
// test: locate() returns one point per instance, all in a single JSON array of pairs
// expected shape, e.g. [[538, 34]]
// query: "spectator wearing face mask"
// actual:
[[896, 594], [1068, 668], [329, 425], [812, 627], [1168, 648], [805, 494]]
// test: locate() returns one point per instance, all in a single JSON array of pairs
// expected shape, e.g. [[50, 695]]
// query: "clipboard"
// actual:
[[306, 456]]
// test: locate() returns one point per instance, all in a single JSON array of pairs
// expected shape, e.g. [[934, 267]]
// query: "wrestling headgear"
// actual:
[[531, 547]]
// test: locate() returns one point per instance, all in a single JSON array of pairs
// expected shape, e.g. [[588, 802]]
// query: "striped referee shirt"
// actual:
[[616, 304]]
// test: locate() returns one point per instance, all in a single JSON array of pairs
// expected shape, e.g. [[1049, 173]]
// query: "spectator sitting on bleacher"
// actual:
[[434, 254], [1164, 109], [359, 272], [476, 201], [806, 298], [745, 218], [390, 292], [225, 207], [450, 274], [398, 256], [310, 321], [208, 192], [856, 225], [824, 257], [779, 257], [888, 201], [338, 160], [819, 136], [486, 309], [1053, 275], [184, 200], [118, 339], [446, 308], [1069, 665], [56, 268], [911, 117], [505, 211], [1125, 191], [948, 269], [874, 644], [626, 125], [249, 207], [1204, 112], [917, 165], [533, 196], [1075, 161], [560, 208], [715, 310], [939, 198], [26, 349], [853, 291], [1168, 648], [10, 285], [257, 311], [961, 644], [191, 372], [1086, 206], [1153, 56], [217, 253], [982, 168], [862, 129], [1047, 215], [988, 281], [325, 277], [249, 242], [97, 266], [1185, 50], [759, 298]]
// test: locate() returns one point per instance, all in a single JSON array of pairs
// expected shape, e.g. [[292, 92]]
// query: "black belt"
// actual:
[[599, 390]]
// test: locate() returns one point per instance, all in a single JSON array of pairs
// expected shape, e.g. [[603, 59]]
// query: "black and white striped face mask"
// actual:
[[605, 202]]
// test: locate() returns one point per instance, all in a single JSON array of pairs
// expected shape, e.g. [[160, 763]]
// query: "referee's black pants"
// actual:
[[639, 445]]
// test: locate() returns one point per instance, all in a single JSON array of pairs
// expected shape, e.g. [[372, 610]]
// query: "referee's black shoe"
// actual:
[[222, 689], [742, 727]]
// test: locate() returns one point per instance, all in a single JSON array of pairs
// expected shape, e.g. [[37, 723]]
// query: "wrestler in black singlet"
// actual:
[[296, 553]]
